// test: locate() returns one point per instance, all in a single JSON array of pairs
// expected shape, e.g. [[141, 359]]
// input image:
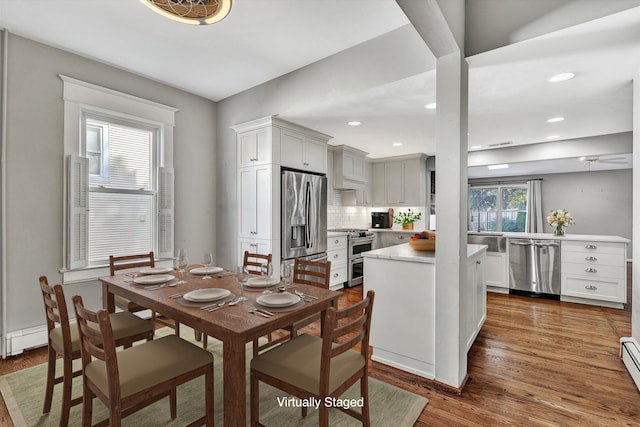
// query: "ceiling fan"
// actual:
[[589, 160]]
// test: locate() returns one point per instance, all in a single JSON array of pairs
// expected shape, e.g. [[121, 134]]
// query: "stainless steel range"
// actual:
[[359, 241]]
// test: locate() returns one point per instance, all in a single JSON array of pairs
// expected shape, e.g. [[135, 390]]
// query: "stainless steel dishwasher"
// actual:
[[534, 267]]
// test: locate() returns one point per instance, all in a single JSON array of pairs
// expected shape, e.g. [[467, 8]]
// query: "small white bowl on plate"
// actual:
[[203, 271], [205, 295], [261, 282], [153, 279], [156, 270], [281, 299]]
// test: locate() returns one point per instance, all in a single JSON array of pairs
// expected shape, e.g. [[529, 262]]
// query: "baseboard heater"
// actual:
[[630, 354]]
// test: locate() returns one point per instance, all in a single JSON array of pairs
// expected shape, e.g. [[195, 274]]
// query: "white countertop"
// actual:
[[336, 233], [405, 252], [393, 230], [568, 236]]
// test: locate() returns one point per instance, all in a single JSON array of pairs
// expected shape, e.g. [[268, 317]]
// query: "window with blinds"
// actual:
[[122, 191]]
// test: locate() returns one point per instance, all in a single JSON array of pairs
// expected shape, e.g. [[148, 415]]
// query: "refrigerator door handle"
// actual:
[[307, 208]]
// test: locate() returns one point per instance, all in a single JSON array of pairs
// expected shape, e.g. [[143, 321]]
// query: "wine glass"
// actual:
[[242, 277], [183, 262], [207, 261], [285, 273], [267, 270]]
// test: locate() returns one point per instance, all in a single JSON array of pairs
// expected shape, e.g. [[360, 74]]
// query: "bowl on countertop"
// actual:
[[423, 244]]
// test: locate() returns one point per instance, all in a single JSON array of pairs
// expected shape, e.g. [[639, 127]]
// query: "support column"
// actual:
[[441, 26]]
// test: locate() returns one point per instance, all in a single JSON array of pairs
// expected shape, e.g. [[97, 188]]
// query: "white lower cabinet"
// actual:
[[496, 271], [593, 270], [337, 254], [475, 301], [254, 246]]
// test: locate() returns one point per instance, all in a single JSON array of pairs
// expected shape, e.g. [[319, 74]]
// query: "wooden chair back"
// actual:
[[315, 273], [130, 261], [57, 314], [255, 262]]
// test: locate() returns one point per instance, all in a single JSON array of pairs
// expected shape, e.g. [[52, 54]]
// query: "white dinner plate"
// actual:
[[156, 270], [210, 294], [153, 279], [280, 299], [261, 282], [206, 270]]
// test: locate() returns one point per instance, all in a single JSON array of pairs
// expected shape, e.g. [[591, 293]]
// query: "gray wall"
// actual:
[[600, 202], [35, 169]]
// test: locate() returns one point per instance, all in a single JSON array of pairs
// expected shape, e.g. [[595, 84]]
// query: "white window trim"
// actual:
[[80, 96]]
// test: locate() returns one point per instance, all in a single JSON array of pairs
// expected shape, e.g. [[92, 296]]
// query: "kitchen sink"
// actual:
[[496, 242]]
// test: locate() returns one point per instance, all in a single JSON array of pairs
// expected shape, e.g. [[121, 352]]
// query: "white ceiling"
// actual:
[[509, 96]]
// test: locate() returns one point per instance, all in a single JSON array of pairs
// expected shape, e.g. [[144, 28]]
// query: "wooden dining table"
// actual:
[[233, 325]]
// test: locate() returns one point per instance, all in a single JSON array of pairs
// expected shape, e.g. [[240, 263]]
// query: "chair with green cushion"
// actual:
[[129, 380], [308, 366], [63, 340]]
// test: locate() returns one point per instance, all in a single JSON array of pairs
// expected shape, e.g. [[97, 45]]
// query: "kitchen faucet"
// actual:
[[477, 209]]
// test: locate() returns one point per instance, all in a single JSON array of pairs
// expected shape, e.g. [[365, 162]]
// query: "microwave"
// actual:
[[380, 220]]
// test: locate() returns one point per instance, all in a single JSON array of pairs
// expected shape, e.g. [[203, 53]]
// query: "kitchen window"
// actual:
[[119, 183], [498, 208]]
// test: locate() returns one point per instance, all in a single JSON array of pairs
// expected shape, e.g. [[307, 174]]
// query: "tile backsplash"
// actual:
[[339, 216]]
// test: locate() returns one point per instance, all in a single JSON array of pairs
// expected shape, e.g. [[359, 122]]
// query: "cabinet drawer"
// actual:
[[337, 257], [607, 290], [335, 242], [338, 275], [594, 259], [595, 271], [590, 247]]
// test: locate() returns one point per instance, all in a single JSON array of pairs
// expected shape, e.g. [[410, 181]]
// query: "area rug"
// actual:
[[23, 393]]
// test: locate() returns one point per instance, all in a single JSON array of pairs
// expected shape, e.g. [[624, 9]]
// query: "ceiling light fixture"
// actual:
[[553, 137], [431, 106], [555, 119], [397, 144], [196, 12], [501, 166], [354, 123], [562, 77]]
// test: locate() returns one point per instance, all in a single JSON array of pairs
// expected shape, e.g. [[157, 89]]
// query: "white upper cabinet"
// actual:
[[349, 168], [401, 182], [254, 147], [300, 151]]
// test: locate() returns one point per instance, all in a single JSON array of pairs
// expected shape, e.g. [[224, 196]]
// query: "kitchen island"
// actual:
[[403, 328]]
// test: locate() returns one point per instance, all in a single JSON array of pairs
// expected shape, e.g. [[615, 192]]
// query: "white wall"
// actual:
[[34, 169]]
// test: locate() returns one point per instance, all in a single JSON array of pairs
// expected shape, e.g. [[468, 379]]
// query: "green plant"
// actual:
[[407, 217]]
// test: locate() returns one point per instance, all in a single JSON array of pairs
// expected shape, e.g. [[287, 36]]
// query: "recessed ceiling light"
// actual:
[[475, 147], [431, 106], [354, 123], [397, 144], [555, 119], [501, 166], [553, 137], [562, 77]]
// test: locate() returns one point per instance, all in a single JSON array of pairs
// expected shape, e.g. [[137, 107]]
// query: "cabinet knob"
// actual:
[[478, 262], [336, 241], [591, 258], [335, 274], [253, 159], [336, 256], [253, 244], [591, 247], [590, 270], [401, 237], [306, 164], [591, 287]]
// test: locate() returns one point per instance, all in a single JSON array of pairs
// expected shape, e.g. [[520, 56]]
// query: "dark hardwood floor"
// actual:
[[535, 362]]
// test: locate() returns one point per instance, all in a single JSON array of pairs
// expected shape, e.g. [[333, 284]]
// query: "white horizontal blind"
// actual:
[[122, 197]]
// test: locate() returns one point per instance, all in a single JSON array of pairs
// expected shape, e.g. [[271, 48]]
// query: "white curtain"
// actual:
[[535, 222]]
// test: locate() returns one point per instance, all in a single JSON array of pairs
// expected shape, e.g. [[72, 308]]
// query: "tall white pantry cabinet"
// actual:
[[263, 147]]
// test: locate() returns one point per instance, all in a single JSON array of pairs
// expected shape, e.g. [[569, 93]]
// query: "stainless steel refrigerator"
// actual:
[[304, 215]]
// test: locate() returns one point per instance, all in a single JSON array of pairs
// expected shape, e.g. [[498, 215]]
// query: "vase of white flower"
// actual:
[[559, 218]]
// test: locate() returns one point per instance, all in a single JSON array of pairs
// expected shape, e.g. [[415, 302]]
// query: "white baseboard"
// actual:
[[630, 354]]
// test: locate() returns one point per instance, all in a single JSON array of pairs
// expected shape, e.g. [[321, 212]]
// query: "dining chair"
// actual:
[[314, 273], [129, 380], [63, 340], [308, 366], [117, 263], [254, 263]]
